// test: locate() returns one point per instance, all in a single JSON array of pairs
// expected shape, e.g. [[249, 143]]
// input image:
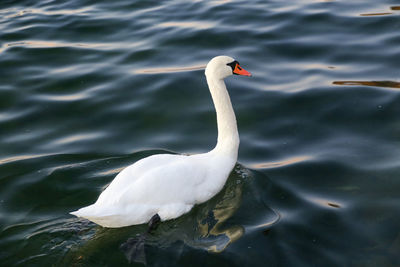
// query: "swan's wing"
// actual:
[[127, 201], [175, 182], [128, 176], [169, 190]]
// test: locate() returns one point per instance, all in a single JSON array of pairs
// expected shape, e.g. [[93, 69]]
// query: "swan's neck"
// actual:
[[228, 136]]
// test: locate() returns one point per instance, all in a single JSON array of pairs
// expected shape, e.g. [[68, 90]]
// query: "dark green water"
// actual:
[[87, 88]]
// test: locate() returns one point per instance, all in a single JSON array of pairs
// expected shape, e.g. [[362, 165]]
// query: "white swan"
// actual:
[[170, 185]]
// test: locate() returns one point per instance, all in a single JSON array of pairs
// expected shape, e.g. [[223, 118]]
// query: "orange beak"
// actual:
[[240, 71]]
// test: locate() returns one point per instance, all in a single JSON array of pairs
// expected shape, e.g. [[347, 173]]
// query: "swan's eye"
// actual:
[[233, 65]]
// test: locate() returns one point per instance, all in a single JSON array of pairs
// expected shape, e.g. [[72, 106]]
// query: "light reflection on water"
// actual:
[[197, 25], [281, 163], [169, 70], [384, 84], [376, 14], [16, 12], [57, 44]]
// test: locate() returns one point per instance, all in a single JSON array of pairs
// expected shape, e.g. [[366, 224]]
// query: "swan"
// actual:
[[164, 186]]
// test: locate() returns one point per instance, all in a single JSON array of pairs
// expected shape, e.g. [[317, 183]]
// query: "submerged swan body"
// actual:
[[170, 185]]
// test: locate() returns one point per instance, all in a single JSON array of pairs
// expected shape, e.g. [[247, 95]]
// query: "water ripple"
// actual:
[[282, 163], [195, 25], [16, 12], [87, 89], [383, 84], [169, 70], [53, 44]]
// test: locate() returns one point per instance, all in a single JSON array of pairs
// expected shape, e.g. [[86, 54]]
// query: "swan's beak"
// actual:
[[240, 71]]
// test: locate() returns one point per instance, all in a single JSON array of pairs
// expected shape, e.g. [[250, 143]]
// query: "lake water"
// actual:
[[87, 88]]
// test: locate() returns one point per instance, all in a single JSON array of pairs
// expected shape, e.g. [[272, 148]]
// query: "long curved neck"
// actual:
[[228, 136]]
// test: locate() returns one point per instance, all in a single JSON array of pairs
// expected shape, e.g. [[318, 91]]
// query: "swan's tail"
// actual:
[[113, 217], [101, 216], [85, 212]]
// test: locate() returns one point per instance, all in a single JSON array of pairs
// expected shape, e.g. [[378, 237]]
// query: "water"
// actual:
[[88, 88]]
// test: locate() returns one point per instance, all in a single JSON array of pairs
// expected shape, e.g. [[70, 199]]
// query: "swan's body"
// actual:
[[170, 185]]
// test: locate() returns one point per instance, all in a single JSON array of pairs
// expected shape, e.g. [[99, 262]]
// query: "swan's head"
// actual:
[[224, 66]]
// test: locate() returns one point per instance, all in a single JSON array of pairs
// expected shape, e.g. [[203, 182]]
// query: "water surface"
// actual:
[[88, 88]]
